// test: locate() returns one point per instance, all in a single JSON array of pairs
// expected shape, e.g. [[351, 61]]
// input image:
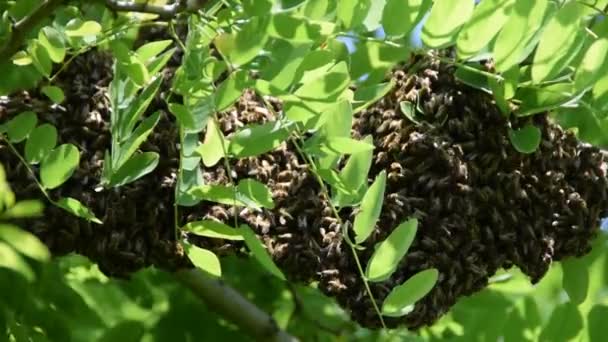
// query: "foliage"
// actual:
[[326, 61]]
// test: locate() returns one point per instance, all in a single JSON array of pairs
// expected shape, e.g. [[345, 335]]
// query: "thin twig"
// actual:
[[28, 168], [24, 26]]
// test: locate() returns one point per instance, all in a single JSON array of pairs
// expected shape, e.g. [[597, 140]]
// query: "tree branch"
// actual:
[[164, 12], [233, 306], [24, 26]]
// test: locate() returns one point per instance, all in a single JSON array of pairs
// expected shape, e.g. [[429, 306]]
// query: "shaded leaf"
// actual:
[[255, 193], [212, 149], [19, 127], [54, 93], [213, 229], [243, 46], [73, 206], [183, 115], [597, 323], [538, 99], [217, 193], [369, 211], [128, 330], [231, 89], [400, 16], [59, 165], [389, 252], [53, 42], [400, 301], [259, 252], [354, 175], [366, 96], [138, 166], [444, 22], [257, 139], [564, 324], [298, 29], [150, 50], [408, 109], [526, 139], [136, 109], [141, 133], [575, 278]]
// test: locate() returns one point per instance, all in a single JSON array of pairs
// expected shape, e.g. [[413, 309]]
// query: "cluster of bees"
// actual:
[[481, 204]]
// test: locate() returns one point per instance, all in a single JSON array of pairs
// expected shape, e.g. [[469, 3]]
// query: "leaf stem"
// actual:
[[29, 169]]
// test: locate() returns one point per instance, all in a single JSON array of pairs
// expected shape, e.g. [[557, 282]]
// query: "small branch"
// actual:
[[24, 26], [231, 305], [164, 12]]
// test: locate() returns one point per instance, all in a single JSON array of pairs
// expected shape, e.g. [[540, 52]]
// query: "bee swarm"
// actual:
[[481, 205]]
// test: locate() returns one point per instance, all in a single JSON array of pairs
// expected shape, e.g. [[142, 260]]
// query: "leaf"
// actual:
[[367, 96], [54, 93], [575, 279], [526, 139], [255, 193], [337, 145], [23, 209], [79, 28], [444, 22], [128, 330], [400, 301], [596, 323], [487, 19], [11, 260], [53, 42], [593, 66], [298, 29], [389, 253], [370, 209], [138, 166], [399, 17], [213, 229], [243, 46], [156, 64], [257, 139], [332, 177], [564, 324], [351, 13], [183, 115], [59, 165], [136, 109], [314, 65], [354, 175], [560, 41], [150, 50], [40, 58], [408, 109], [24, 243], [231, 89], [525, 20], [217, 193], [259, 252], [19, 127], [141, 133], [212, 149], [536, 99], [328, 86], [22, 58], [136, 70], [204, 259], [73, 206]]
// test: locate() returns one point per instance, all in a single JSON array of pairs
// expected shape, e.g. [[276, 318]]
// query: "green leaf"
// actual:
[[354, 175], [400, 301], [255, 193], [374, 15], [257, 139], [40, 58], [136, 109], [128, 330], [183, 114], [351, 13], [596, 323], [399, 17], [53, 42], [337, 146], [444, 22], [11, 260], [593, 66], [25, 208], [575, 278], [150, 50], [156, 64], [73, 206], [59, 165], [217, 193], [243, 46], [487, 19], [559, 43], [19, 127], [204, 259], [526, 139], [231, 89], [79, 28], [213, 229], [408, 109], [24, 243], [141, 133], [298, 29], [259, 252], [136, 70], [564, 324], [327, 87], [539, 99], [370, 209], [54, 93], [366, 96], [389, 253], [332, 177], [525, 20], [22, 58], [138, 166], [214, 145], [314, 65]]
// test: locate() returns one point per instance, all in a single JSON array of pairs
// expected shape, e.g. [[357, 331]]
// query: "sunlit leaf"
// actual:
[[136, 109], [369, 211], [79, 28], [11, 260], [214, 146], [183, 114], [257, 139], [139, 135], [337, 146], [366, 96], [217, 193], [213, 229], [538, 99], [593, 66], [255, 193], [351, 13], [73, 206], [231, 89], [152, 49], [138, 166], [24, 243], [400, 301], [259, 252], [354, 175], [298, 29], [53, 41], [389, 252], [526, 139], [24, 208], [204, 259], [54, 93], [444, 22], [241, 47], [328, 86], [19, 127], [59, 165]]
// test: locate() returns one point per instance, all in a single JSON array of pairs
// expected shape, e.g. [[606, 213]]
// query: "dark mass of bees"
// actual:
[[481, 204]]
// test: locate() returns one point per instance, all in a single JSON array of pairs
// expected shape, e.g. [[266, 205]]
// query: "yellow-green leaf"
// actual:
[[20, 127], [593, 66], [214, 145], [259, 252], [444, 22], [54, 93], [369, 211], [389, 252], [59, 165], [11, 260], [24, 242], [79, 28], [400, 301], [204, 259], [73, 206], [213, 229]]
